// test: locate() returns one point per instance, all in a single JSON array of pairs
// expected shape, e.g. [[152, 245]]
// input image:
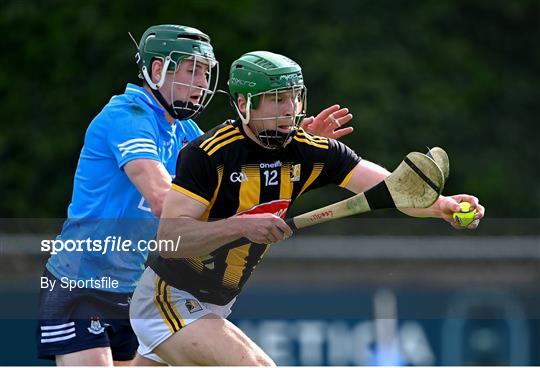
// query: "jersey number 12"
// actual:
[[270, 177]]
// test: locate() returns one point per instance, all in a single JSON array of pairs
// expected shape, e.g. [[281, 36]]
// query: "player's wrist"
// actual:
[[233, 226], [436, 209]]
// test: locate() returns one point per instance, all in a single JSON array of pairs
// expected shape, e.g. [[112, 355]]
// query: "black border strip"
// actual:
[[422, 175]]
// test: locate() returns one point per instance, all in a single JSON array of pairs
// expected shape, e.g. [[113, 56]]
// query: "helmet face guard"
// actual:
[[283, 128], [183, 107], [261, 75], [173, 44]]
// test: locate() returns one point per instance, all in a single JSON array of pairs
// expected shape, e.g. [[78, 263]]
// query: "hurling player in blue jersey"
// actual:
[[124, 171]]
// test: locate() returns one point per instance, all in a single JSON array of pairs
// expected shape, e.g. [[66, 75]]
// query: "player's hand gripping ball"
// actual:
[[465, 217]]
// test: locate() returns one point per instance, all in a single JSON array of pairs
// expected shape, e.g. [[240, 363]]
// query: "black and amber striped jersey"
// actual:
[[232, 175]]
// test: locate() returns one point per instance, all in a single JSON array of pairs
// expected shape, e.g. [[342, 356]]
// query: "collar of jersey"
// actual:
[[134, 90]]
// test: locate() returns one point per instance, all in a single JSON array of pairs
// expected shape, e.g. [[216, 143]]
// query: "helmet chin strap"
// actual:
[[273, 139], [163, 102], [270, 139], [186, 110], [180, 110]]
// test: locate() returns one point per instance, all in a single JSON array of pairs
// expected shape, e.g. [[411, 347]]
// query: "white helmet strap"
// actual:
[[245, 119], [148, 79]]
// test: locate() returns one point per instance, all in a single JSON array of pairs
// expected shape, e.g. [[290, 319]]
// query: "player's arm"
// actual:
[[133, 141], [151, 179], [367, 174], [181, 218]]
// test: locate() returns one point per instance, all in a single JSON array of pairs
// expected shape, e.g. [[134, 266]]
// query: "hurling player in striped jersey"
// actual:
[[227, 206]]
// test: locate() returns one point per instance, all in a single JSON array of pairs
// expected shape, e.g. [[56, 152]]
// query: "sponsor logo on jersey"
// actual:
[[295, 172], [238, 177], [278, 207], [193, 306], [273, 165]]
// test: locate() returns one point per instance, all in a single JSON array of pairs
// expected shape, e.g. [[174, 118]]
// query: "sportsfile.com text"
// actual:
[[109, 244]]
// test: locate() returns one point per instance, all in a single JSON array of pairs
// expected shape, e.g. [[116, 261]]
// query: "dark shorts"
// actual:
[[81, 319]]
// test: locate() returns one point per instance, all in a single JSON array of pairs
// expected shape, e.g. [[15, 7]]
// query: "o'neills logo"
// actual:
[[270, 166]]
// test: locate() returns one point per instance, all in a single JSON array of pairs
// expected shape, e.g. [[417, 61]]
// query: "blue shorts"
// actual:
[[81, 319]]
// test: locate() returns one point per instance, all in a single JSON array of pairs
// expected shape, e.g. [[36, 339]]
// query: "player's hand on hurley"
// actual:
[[448, 205], [264, 228], [329, 122]]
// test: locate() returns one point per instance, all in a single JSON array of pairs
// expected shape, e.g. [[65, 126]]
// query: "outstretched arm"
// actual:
[[367, 174]]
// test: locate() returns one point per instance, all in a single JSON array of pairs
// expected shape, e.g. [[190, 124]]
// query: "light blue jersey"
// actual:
[[104, 201]]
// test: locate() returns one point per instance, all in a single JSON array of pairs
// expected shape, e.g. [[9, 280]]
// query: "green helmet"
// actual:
[[172, 44], [258, 74], [262, 71]]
